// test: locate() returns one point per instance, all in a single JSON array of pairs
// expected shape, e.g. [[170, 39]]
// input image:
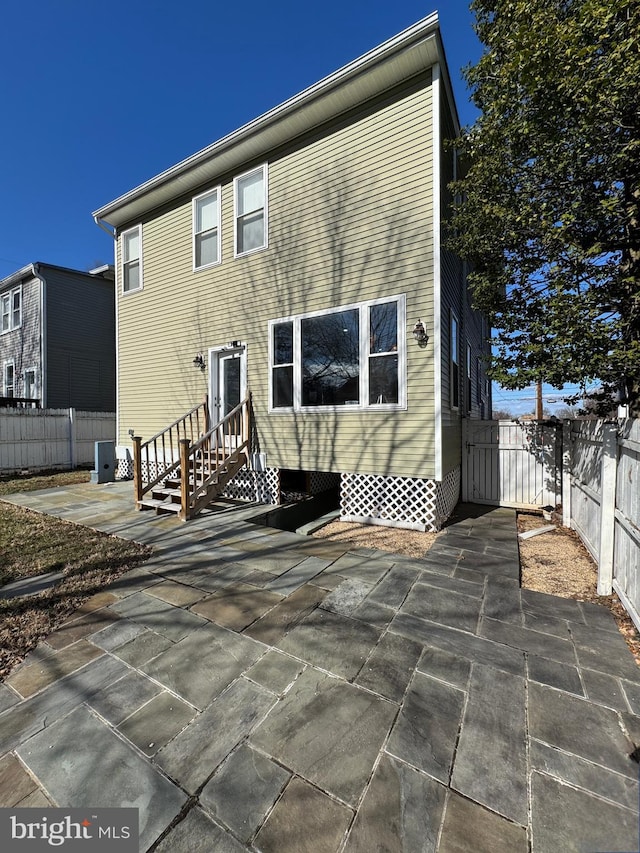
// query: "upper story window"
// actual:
[[250, 205], [345, 357], [206, 229], [132, 259], [11, 309], [454, 372]]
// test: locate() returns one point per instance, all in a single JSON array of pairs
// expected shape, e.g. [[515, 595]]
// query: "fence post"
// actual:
[[137, 468], [566, 473], [184, 478], [464, 438], [72, 439], [608, 508]]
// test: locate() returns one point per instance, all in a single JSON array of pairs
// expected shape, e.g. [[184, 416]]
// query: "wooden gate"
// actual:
[[512, 463]]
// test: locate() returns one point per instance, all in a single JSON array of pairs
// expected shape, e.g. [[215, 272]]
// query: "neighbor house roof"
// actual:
[[106, 271], [399, 59]]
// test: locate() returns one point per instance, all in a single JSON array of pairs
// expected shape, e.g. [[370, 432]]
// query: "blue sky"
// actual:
[[97, 98]]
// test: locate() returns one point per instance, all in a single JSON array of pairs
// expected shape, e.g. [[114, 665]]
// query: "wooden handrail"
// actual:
[[221, 446], [188, 427]]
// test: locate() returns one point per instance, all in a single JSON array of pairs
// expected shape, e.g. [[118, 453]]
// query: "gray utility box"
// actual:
[[105, 462]]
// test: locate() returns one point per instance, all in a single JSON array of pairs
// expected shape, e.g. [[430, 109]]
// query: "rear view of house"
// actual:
[[297, 262], [57, 338]]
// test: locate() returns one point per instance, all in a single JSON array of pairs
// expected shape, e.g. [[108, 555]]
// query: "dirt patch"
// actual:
[[413, 543]]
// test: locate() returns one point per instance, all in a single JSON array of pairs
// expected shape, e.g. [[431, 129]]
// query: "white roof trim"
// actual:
[[400, 58]]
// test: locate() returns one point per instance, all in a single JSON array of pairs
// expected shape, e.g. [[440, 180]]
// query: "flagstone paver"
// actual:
[[61, 758], [327, 731], [351, 700], [325, 822], [243, 790]]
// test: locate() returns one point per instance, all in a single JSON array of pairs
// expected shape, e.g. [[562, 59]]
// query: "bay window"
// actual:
[[344, 357]]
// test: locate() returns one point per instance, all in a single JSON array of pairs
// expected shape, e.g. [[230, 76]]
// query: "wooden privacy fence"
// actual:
[[511, 463], [37, 439], [601, 501], [591, 467]]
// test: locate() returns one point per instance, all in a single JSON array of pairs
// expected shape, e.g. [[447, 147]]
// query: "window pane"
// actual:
[[131, 246], [383, 379], [383, 322], [16, 308], [230, 384], [250, 193], [132, 276], [283, 343], [5, 313], [206, 248], [30, 384], [251, 232], [331, 359], [207, 213], [282, 387]]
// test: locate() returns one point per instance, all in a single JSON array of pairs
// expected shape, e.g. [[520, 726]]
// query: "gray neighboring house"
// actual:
[[57, 337]]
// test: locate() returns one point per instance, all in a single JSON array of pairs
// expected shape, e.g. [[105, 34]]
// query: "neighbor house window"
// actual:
[[206, 229], [30, 387], [454, 373], [344, 357], [11, 309], [8, 379], [132, 259], [250, 200]]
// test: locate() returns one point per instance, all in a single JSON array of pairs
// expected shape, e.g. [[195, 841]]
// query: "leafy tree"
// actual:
[[547, 209]]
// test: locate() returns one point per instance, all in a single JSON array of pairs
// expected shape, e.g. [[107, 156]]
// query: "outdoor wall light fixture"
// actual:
[[198, 361], [420, 334]]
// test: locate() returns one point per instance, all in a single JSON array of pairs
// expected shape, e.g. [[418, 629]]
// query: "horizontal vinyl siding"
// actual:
[[451, 300], [350, 218], [22, 345], [80, 341]]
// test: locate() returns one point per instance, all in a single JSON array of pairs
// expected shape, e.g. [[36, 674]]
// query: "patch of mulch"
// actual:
[[413, 543]]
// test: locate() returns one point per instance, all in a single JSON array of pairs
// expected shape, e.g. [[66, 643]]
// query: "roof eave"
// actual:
[[387, 65]]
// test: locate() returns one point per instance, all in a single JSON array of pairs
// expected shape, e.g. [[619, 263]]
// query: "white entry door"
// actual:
[[228, 379]]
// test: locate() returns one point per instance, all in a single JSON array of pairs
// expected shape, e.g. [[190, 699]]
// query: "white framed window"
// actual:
[[454, 362], [206, 229], [8, 379], [30, 384], [11, 309], [250, 211], [132, 259], [338, 359]]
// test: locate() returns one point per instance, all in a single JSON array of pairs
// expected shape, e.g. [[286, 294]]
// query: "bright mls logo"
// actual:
[[69, 830]]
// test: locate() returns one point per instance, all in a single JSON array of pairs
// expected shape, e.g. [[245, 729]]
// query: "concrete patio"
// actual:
[[252, 689]]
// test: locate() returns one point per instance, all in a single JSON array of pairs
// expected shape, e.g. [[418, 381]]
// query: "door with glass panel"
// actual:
[[228, 379]]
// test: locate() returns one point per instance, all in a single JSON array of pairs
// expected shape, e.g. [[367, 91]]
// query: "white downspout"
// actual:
[[114, 235], [437, 290]]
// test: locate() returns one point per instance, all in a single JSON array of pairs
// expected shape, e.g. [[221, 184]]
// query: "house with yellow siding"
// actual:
[[286, 312]]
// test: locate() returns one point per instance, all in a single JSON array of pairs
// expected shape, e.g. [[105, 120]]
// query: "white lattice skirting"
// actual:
[[409, 502], [321, 481], [260, 486]]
